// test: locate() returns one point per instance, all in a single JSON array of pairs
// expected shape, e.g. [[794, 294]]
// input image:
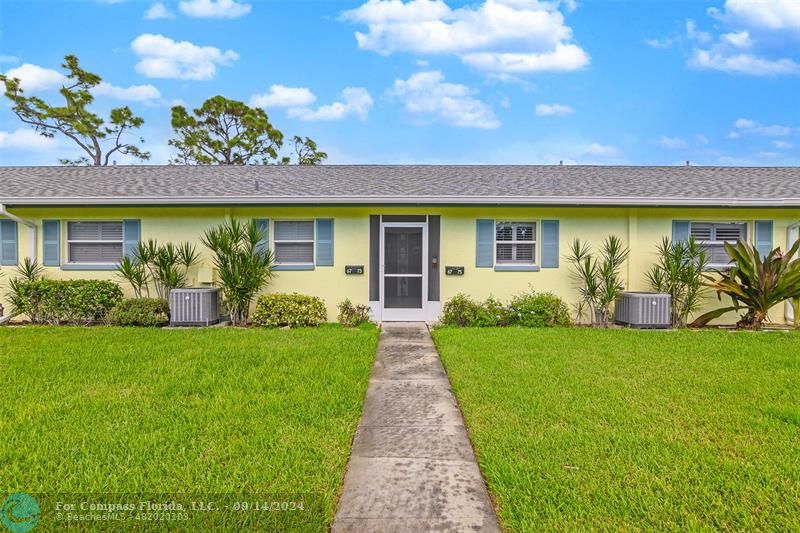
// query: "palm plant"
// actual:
[[755, 284], [598, 278], [679, 273], [585, 278], [21, 294], [29, 269], [135, 273], [165, 266], [242, 265]]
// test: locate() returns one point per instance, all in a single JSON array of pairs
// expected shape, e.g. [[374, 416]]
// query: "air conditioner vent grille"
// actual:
[[193, 307], [644, 310]]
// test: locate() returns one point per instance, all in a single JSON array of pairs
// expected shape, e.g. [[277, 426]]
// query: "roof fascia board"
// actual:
[[404, 200]]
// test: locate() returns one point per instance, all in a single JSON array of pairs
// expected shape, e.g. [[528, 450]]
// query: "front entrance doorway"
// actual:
[[404, 273]]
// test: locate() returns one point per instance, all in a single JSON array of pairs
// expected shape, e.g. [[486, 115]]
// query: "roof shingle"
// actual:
[[561, 185]]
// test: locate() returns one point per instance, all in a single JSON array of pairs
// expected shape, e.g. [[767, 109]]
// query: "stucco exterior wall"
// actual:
[[640, 228]]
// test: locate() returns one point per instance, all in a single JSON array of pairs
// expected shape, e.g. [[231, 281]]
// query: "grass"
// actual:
[[265, 415], [580, 428]]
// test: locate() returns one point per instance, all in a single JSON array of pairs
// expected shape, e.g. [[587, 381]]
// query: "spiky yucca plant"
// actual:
[[243, 266], [165, 266], [679, 273], [755, 284], [598, 278]]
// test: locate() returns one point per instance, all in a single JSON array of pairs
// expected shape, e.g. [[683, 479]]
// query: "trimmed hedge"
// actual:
[[530, 309], [292, 310], [73, 302], [140, 312]]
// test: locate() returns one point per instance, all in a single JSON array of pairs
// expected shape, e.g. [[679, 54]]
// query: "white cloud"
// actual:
[[741, 19], [553, 110], [356, 101], [661, 44], [564, 57], [739, 39], [282, 96], [134, 93], [422, 63], [36, 78], [700, 139], [742, 63], [158, 11], [495, 36], [673, 143], [694, 34], [770, 15], [783, 145], [9, 59], [602, 150], [214, 8], [426, 93], [747, 126], [22, 139], [161, 57], [570, 5]]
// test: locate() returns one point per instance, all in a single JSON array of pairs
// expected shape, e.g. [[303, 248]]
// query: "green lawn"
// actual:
[[257, 414], [579, 429]]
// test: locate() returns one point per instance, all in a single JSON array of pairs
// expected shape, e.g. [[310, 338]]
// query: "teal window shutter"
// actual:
[[324, 242], [680, 230], [549, 243], [8, 242], [131, 235], [263, 227], [484, 255], [51, 242], [764, 237]]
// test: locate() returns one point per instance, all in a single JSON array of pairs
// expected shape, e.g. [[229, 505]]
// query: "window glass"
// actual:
[[515, 242], [294, 242], [94, 242], [712, 236]]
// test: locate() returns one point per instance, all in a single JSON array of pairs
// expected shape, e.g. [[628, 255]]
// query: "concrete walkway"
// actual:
[[412, 467]]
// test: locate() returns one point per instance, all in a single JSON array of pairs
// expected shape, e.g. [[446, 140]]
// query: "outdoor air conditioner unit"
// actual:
[[193, 307], [644, 310]]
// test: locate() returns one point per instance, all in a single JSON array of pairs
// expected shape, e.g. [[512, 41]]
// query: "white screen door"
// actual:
[[792, 236], [404, 279]]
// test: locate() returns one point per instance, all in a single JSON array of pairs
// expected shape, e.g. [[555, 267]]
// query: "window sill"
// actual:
[[516, 268], [293, 267], [714, 268], [88, 266]]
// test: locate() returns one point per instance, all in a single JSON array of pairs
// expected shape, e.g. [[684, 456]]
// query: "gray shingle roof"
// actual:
[[402, 184]]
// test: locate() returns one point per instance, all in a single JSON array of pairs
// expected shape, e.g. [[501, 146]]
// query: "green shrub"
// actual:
[[351, 316], [75, 302], [531, 309], [538, 310], [140, 312], [292, 310], [492, 313], [460, 310]]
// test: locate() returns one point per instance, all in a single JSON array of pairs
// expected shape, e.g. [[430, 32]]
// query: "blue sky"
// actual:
[[500, 81]]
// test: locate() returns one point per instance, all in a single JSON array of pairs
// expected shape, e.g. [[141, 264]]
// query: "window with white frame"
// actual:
[[293, 243], [515, 243], [712, 236], [94, 242]]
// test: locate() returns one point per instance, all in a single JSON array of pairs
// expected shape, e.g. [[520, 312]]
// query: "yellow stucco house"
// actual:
[[401, 238]]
